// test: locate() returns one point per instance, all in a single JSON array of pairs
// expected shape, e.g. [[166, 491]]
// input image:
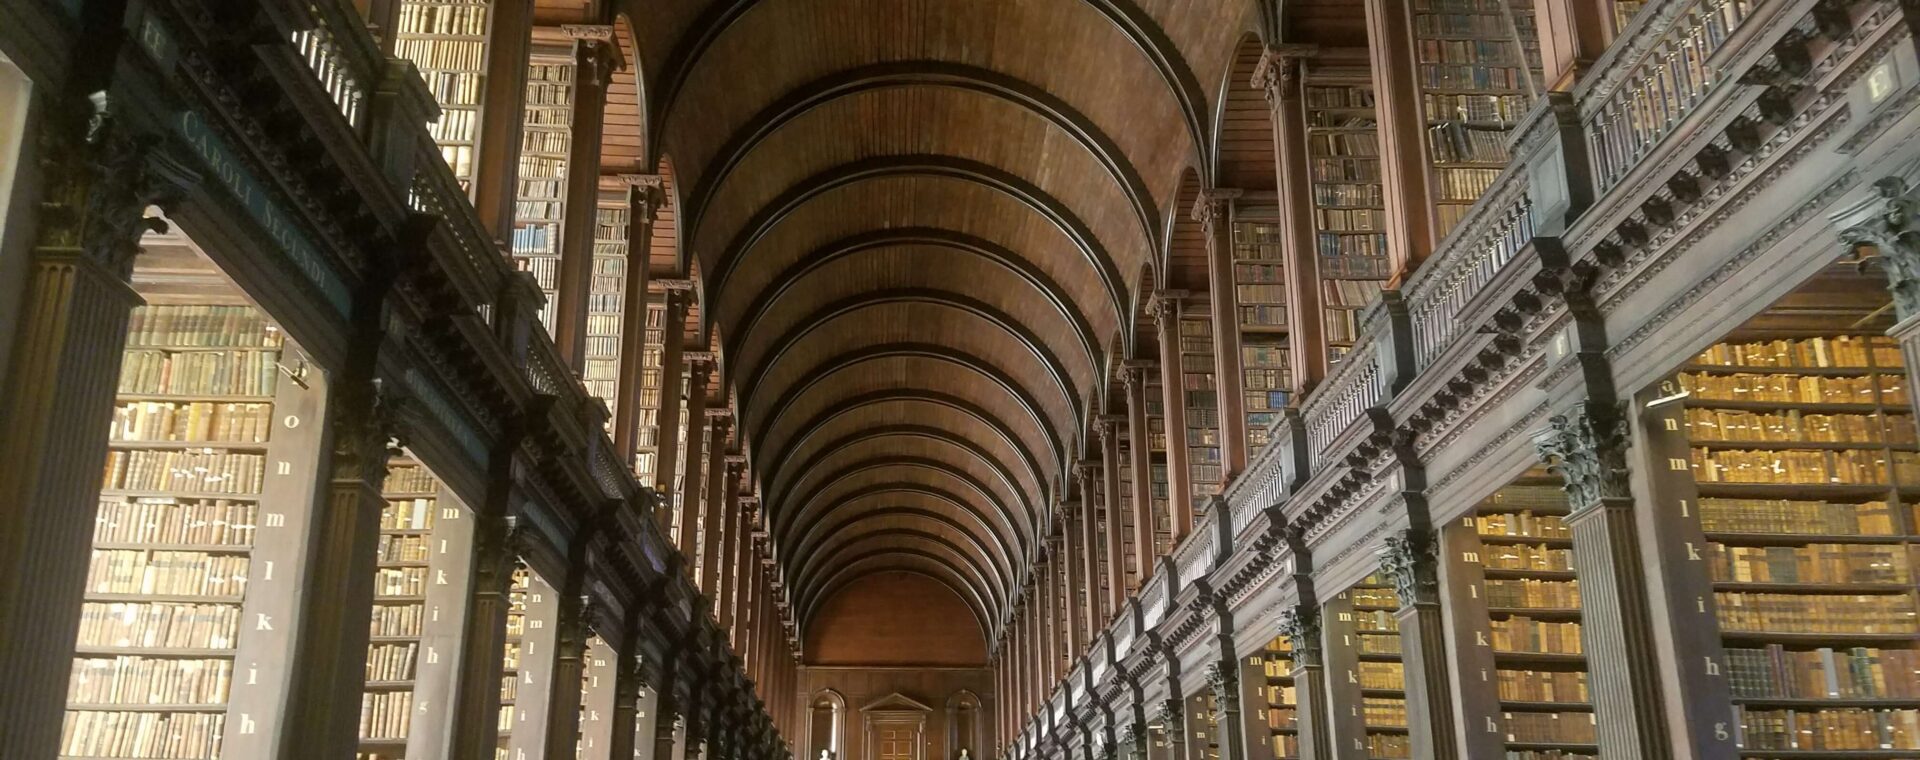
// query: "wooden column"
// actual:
[[628, 688], [713, 524], [59, 399], [1573, 34], [1116, 522], [1410, 558], [692, 483], [496, 157], [1090, 549], [734, 554], [1278, 75], [1073, 568], [1214, 211], [1223, 677], [1140, 452], [562, 728], [644, 199], [1166, 310], [1406, 181], [672, 386], [666, 725], [477, 704], [596, 58], [1049, 626]]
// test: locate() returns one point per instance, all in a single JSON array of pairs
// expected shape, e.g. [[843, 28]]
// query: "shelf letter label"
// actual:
[[262, 623], [1713, 668]]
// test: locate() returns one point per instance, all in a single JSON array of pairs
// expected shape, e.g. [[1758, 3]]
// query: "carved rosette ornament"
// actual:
[[1301, 628], [1894, 234], [1410, 558], [1587, 446]]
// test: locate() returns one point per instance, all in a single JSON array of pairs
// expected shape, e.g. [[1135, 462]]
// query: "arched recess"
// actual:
[[1185, 267], [666, 257], [623, 141], [843, 626], [814, 571], [966, 725], [808, 600], [1243, 126], [826, 725], [727, 262]]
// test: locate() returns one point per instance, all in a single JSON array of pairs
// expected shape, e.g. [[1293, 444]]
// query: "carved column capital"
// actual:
[[1212, 207], [1277, 75], [1134, 372], [1411, 559], [1894, 234], [1172, 718], [99, 184], [646, 195], [1166, 307], [1300, 626], [1223, 679], [1587, 446]]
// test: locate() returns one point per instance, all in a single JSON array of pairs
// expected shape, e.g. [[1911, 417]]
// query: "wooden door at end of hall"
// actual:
[[896, 744]]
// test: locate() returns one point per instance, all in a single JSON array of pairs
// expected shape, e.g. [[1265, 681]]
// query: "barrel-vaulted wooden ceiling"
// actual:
[[922, 229]]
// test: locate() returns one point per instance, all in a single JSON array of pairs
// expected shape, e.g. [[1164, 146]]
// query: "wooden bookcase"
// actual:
[[1157, 457], [606, 307], [447, 41], [539, 209], [1260, 289], [1479, 65], [1282, 719], [1365, 678], [1794, 468], [189, 511], [1202, 395], [420, 596], [1127, 542], [596, 700], [1511, 582], [647, 438], [1349, 204]]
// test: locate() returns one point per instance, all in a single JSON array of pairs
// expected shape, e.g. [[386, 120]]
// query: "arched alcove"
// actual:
[[863, 623]]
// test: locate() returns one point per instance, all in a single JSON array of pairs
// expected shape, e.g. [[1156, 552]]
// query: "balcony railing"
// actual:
[[1353, 387], [1500, 225], [1663, 79], [344, 63]]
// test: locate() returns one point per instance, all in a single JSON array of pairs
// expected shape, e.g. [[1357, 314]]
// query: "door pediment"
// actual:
[[895, 703]]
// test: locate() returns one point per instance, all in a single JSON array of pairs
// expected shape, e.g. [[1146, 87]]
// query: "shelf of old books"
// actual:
[[1282, 719], [1478, 67], [1805, 470], [420, 595], [1202, 396], [1514, 558], [647, 436], [210, 390], [1366, 681], [606, 306], [517, 597], [1204, 726], [1127, 540], [1349, 206], [1260, 289], [540, 197], [1160, 488], [447, 41]]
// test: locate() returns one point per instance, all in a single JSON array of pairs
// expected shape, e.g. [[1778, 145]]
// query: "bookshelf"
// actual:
[[517, 597], [596, 699], [1795, 461], [1366, 679], [606, 308], [1203, 407], [1127, 523], [447, 41], [1283, 725], [1349, 202], [1478, 67], [1515, 555], [1260, 288], [187, 511], [540, 195], [647, 438], [1205, 728], [1157, 458]]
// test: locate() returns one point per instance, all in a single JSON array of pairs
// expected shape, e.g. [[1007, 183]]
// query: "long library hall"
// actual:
[[959, 380]]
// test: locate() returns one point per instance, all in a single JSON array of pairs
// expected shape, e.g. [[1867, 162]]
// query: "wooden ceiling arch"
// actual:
[[930, 165], [913, 224]]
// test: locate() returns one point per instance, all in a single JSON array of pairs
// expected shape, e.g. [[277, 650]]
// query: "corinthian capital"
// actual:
[[1278, 73]]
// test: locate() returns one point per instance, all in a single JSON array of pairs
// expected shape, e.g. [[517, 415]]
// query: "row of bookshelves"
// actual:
[[203, 373], [447, 40]]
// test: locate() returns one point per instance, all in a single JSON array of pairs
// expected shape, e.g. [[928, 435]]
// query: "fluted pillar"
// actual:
[[58, 401], [673, 338], [596, 58], [1410, 559], [1214, 211], [497, 151], [644, 199], [1278, 77], [1117, 586], [693, 482], [1094, 617], [1140, 459], [1411, 227], [627, 688], [1166, 312], [477, 703], [569, 668], [1073, 567]]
